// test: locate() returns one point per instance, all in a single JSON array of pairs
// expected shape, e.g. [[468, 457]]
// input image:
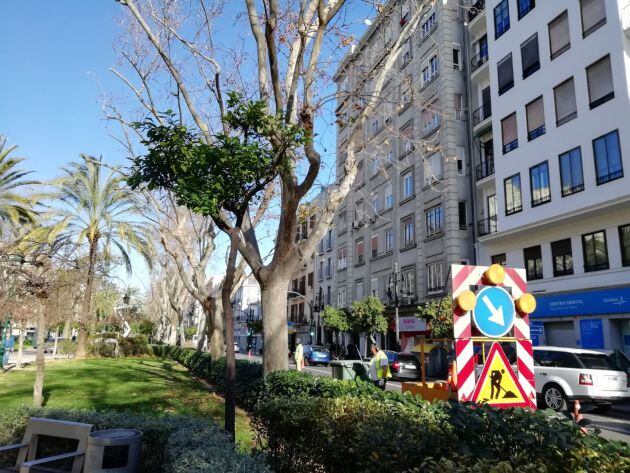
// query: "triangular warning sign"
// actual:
[[498, 385]]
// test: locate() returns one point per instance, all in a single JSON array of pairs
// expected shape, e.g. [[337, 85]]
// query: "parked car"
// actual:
[[569, 374], [403, 366], [237, 348], [316, 355]]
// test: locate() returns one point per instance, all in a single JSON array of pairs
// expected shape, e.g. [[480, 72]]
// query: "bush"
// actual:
[[171, 444], [133, 346]]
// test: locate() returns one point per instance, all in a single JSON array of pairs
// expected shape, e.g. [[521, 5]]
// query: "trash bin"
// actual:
[[114, 451], [347, 369]]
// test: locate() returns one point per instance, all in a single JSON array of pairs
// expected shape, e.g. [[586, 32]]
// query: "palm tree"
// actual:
[[15, 209], [100, 213]]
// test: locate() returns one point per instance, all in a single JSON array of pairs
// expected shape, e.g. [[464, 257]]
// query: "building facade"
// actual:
[[549, 90], [247, 306], [408, 216]]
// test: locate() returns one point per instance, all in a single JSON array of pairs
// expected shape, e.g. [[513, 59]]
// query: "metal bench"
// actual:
[[36, 427]]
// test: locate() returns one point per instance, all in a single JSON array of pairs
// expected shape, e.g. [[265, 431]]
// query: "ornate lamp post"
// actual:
[[396, 287]]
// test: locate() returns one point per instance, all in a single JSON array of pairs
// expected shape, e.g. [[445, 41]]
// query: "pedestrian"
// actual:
[[379, 367], [299, 355], [8, 347]]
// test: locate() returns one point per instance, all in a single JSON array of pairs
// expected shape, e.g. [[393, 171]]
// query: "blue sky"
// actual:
[[55, 57]]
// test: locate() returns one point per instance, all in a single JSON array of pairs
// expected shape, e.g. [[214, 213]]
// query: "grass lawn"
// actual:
[[142, 385]]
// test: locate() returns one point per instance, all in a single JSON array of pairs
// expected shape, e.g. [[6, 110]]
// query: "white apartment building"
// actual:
[[550, 90], [247, 305], [410, 204]]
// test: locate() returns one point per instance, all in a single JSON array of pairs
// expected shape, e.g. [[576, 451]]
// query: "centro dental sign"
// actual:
[[603, 301]]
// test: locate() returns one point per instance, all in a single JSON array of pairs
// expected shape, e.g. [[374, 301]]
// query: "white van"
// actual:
[[568, 374]]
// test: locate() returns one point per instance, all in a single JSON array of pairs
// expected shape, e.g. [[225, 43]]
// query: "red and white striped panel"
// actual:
[[465, 369], [525, 368], [463, 277]]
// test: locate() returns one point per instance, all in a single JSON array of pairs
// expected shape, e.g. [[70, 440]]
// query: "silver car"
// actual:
[[569, 374]]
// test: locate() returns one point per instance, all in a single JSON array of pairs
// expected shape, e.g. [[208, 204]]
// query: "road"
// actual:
[[615, 425]]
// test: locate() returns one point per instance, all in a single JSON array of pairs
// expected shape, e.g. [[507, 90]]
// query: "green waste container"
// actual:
[[349, 369]]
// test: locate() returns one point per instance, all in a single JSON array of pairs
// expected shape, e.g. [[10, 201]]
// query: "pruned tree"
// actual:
[[291, 74], [368, 316]]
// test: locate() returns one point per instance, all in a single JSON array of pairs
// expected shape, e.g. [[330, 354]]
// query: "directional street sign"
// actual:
[[498, 385], [494, 312]]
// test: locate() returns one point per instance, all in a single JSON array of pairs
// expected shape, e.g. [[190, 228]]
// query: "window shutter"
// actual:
[[559, 33], [508, 126], [593, 11], [565, 99], [600, 81], [529, 53], [535, 114], [505, 72]]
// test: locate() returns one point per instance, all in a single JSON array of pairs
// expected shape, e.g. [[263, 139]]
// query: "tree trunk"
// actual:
[[81, 340], [172, 332], [201, 330], [230, 373], [38, 387], [20, 348], [274, 312], [67, 329], [217, 340], [54, 353], [87, 322]]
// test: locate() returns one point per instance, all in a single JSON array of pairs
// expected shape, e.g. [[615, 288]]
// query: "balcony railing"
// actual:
[[476, 9], [535, 133], [483, 112], [484, 169], [511, 146], [487, 226], [479, 60]]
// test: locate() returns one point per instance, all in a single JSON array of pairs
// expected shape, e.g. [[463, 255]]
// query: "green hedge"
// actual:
[[171, 444], [313, 423]]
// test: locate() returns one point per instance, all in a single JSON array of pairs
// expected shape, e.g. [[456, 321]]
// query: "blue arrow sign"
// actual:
[[494, 312]]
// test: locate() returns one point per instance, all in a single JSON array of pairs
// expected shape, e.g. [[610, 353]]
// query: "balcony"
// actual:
[[484, 169], [476, 8], [479, 60], [431, 126], [487, 226], [482, 113]]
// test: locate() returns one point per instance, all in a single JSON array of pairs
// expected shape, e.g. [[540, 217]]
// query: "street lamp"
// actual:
[[396, 280]]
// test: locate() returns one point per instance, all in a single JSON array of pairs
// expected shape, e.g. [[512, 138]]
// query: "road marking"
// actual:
[[497, 314]]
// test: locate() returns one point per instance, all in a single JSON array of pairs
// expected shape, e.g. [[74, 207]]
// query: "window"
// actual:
[[509, 133], [499, 259], [607, 154], [524, 7], [458, 105], [376, 126], [535, 111], [562, 256], [407, 184], [360, 178], [409, 234], [433, 168], [360, 249], [406, 56], [455, 59], [559, 36], [539, 184], [571, 178], [533, 262], [359, 290], [430, 71], [376, 204], [389, 240], [341, 221], [320, 246], [459, 159], [409, 280], [505, 74], [311, 278], [529, 56], [501, 18], [513, 201], [375, 166], [328, 296], [434, 220], [374, 287], [600, 82], [320, 270], [555, 359], [595, 251], [329, 267], [341, 298], [564, 96], [329, 240], [428, 26], [342, 258], [430, 117], [624, 242], [406, 139], [389, 197], [461, 208], [435, 281], [593, 16], [374, 246]]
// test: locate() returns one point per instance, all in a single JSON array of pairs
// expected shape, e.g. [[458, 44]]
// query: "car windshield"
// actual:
[[320, 349], [595, 362]]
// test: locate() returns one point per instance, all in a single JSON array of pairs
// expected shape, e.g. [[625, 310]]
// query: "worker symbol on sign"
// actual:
[[498, 385]]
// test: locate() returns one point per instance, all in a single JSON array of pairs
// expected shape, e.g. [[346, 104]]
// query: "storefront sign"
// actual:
[[592, 333], [605, 301], [412, 324], [536, 330]]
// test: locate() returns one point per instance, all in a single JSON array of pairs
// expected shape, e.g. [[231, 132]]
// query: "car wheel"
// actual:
[[553, 397]]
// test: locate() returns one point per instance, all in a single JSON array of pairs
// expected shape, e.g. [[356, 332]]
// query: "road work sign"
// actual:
[[494, 312], [498, 385]]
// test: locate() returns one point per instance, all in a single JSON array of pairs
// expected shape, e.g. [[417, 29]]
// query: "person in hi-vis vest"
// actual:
[[379, 367]]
